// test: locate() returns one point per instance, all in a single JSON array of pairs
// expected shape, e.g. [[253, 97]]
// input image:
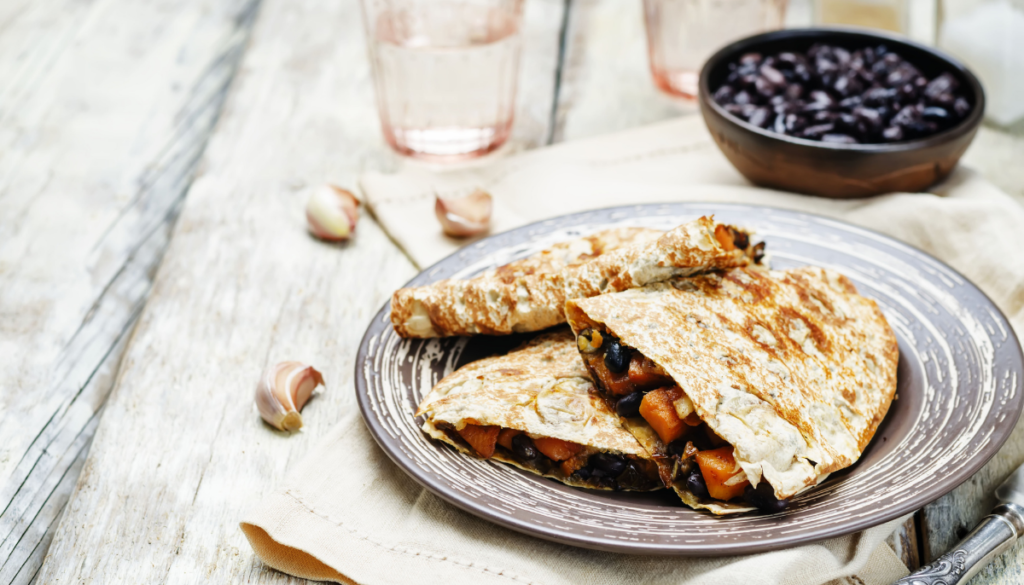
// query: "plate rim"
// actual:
[[910, 505]]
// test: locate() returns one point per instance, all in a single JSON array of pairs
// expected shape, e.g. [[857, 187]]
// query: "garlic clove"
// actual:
[[332, 213], [464, 216], [283, 390]]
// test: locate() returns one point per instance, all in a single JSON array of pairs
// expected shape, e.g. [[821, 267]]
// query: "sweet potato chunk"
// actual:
[[724, 236], [505, 437], [570, 465], [557, 449], [481, 438], [645, 374], [658, 411], [717, 466]]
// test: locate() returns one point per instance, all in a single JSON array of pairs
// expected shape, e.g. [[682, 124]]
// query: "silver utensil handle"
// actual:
[[996, 533]]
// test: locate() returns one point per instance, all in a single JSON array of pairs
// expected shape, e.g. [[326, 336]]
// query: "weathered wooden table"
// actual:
[[153, 259]]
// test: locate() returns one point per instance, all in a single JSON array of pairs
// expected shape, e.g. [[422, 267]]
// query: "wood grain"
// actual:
[[105, 108], [180, 448]]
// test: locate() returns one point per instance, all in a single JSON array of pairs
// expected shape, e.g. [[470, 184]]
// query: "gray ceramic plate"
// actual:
[[958, 396]]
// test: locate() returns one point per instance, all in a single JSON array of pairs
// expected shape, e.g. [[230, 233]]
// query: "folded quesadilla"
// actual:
[[535, 408], [748, 386], [530, 294]]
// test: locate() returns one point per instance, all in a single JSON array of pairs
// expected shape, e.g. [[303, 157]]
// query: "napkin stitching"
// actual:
[[406, 551]]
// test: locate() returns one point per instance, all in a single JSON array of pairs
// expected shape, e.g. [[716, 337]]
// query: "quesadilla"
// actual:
[[747, 387], [530, 294], [535, 408]]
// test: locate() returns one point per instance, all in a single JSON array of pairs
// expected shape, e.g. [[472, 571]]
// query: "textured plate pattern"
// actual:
[[958, 396]]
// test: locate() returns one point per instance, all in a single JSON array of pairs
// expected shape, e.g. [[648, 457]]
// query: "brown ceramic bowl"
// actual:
[[838, 170]]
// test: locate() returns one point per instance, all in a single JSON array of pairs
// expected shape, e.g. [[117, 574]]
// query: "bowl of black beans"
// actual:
[[839, 112]]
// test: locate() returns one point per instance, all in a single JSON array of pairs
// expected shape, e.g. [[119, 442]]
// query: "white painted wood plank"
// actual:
[[180, 448], [606, 84], [104, 110]]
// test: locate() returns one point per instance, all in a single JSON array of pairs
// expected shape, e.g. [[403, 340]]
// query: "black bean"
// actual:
[[763, 498], [815, 132], [724, 95], [848, 85], [696, 484], [789, 58], [765, 87], [839, 139], [794, 91], [936, 114], [743, 111], [523, 447], [616, 357], [780, 123], [677, 447], [795, 123], [740, 239], [750, 59], [851, 102], [758, 252], [870, 117], [942, 85], [583, 473], [611, 465], [760, 117], [892, 134], [772, 75], [921, 128], [907, 92], [742, 97], [961, 107], [846, 121], [825, 117], [629, 405], [906, 116], [632, 477], [877, 96]]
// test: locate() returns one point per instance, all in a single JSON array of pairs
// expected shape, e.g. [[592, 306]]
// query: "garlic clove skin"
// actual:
[[464, 216], [283, 390], [332, 213]]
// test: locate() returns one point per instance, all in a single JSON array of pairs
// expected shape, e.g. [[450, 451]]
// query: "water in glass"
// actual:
[[445, 74]]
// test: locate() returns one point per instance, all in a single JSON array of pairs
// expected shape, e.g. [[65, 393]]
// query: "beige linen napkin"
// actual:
[[349, 515]]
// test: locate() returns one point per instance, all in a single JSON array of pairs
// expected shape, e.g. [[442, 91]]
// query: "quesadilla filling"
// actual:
[[643, 393], [563, 459]]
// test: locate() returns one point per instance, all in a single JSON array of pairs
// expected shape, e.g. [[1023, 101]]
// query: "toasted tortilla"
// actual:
[[530, 294], [542, 389], [793, 368]]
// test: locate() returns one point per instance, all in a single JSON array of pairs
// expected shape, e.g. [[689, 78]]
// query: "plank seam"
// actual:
[[563, 35]]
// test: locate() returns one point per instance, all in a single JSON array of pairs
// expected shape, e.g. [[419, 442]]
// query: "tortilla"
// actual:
[[542, 389], [530, 294], [791, 368]]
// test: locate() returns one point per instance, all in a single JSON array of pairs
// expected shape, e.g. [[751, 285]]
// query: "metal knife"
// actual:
[[996, 533]]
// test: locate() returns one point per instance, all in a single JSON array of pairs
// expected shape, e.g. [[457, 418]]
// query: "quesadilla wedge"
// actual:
[[747, 387], [535, 408], [530, 294]]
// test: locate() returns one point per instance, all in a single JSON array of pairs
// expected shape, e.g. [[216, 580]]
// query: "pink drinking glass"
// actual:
[[682, 34], [445, 74]]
